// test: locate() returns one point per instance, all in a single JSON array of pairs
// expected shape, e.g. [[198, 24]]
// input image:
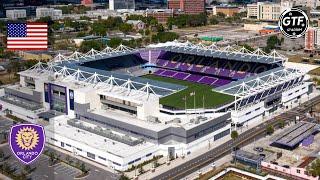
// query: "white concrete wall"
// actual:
[[30, 116], [149, 108], [292, 94], [110, 158], [248, 113]]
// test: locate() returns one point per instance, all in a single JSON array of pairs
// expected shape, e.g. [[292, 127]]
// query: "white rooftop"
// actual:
[[60, 127]]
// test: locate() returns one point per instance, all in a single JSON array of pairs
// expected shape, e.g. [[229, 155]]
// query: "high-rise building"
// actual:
[[267, 11], [150, 4], [86, 2], [187, 6], [304, 3], [64, 1], [121, 4], [312, 39]]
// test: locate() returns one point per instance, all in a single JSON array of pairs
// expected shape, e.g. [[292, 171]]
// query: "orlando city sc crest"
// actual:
[[27, 141]]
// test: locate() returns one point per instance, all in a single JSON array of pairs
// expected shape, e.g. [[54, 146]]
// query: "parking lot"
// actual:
[[65, 171], [15, 164], [59, 171]]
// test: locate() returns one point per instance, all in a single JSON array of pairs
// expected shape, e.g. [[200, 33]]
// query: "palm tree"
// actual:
[[141, 170], [234, 135], [2, 155], [83, 168], [6, 167], [269, 129], [27, 168], [52, 157], [123, 177], [22, 176]]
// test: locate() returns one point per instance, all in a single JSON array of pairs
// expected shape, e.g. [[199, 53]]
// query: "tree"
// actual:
[[164, 37], [68, 158], [22, 176], [99, 28], [141, 170], [124, 177], [234, 135], [281, 124], [6, 167], [52, 156], [114, 42], [248, 47], [27, 168], [160, 28], [125, 28], [155, 163], [88, 45], [83, 168], [314, 168], [269, 129], [2, 155], [214, 20], [221, 15], [272, 42]]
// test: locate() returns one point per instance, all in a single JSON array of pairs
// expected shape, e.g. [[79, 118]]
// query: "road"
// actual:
[[243, 139]]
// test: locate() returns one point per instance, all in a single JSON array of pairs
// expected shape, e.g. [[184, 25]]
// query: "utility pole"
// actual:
[[203, 105], [194, 103]]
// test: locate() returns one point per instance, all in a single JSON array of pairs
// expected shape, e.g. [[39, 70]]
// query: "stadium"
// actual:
[[120, 107]]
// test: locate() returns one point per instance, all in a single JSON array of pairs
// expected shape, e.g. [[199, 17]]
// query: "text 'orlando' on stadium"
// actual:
[[120, 107]]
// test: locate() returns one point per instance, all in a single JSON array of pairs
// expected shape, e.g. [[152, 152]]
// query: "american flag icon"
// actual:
[[27, 36]]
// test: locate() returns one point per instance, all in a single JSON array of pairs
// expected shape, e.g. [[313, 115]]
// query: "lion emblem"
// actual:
[[27, 138]]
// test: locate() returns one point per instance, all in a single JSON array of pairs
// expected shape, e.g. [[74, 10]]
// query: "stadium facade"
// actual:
[[101, 105]]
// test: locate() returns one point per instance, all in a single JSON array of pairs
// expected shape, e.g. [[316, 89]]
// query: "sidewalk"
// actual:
[[3, 177], [81, 158]]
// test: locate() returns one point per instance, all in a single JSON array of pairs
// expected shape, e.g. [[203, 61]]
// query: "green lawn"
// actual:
[[176, 100]]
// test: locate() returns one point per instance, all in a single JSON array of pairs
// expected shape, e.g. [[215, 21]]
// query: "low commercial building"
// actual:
[[44, 12], [16, 14]]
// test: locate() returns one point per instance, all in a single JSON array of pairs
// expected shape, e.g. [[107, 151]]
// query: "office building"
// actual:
[[16, 14], [312, 39], [161, 15], [266, 11], [225, 9], [53, 13], [187, 6], [121, 4]]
